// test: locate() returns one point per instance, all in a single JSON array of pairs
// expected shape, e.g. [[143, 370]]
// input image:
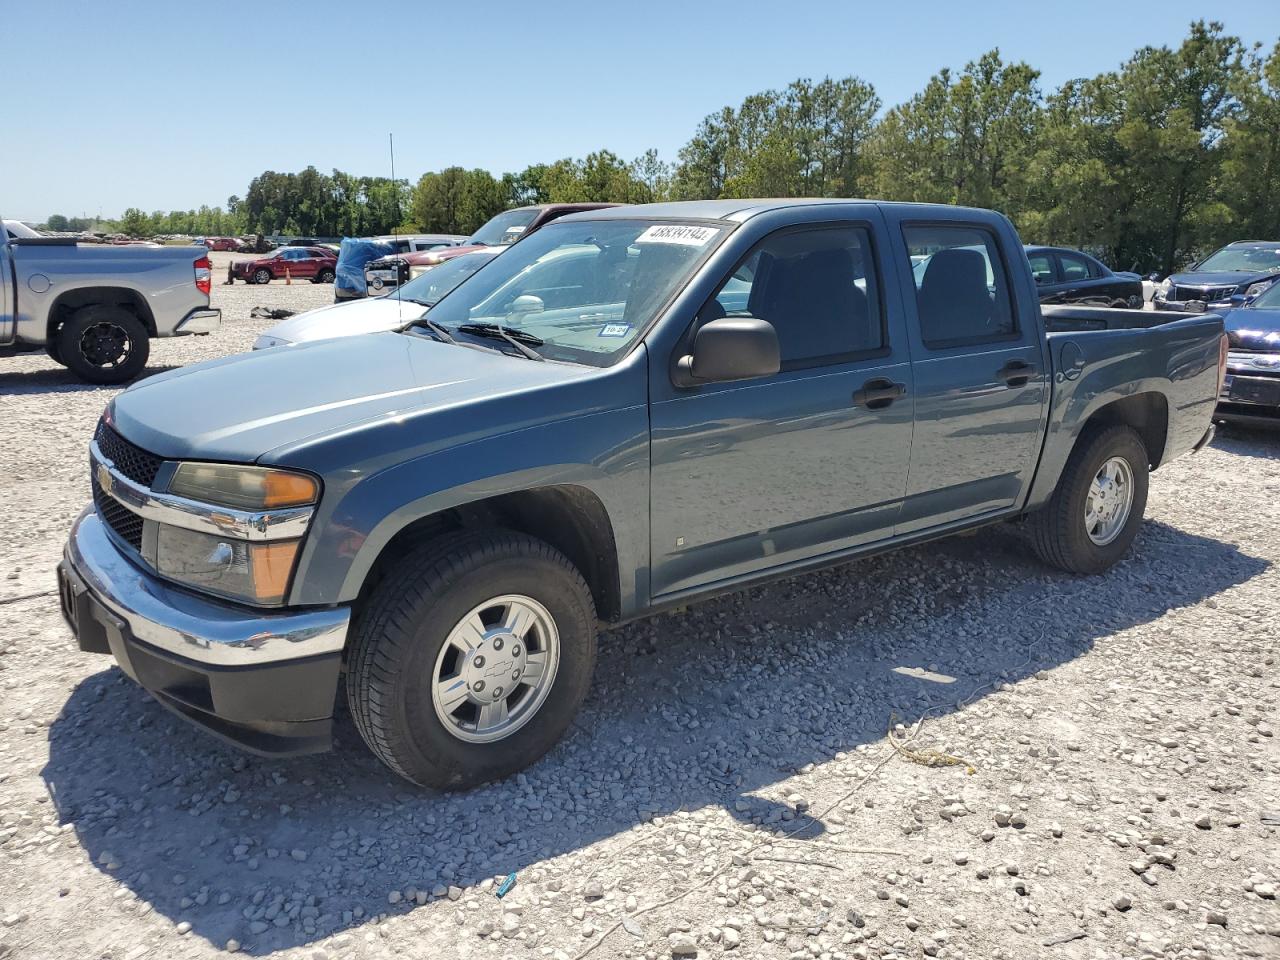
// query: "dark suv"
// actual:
[[1246, 267]]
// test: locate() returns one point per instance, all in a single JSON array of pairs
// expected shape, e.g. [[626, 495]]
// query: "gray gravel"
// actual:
[[729, 789]]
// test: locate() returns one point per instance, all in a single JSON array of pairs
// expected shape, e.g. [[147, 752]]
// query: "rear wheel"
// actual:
[[262, 275], [325, 276], [470, 661], [1096, 511], [103, 343]]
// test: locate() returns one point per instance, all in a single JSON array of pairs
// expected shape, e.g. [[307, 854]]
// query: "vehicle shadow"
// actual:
[[683, 714], [56, 379]]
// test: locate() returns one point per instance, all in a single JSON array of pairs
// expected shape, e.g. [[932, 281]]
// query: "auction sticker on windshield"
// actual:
[[680, 233]]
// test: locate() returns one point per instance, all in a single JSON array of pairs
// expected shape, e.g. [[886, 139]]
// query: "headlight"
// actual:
[[238, 569], [1258, 287], [1165, 286], [265, 341], [243, 488], [227, 564]]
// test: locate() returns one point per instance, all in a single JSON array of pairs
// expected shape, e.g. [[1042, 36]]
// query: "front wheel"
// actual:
[[262, 275], [103, 343], [1094, 515], [470, 661]]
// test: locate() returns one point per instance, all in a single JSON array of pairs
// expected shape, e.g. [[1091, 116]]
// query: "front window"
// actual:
[[429, 288], [1269, 299], [586, 289], [1243, 260], [505, 228]]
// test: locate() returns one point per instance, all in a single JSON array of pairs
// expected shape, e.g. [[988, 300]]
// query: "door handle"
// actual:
[[878, 392], [1016, 373]]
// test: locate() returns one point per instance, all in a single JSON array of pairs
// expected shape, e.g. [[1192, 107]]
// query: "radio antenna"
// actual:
[[395, 228]]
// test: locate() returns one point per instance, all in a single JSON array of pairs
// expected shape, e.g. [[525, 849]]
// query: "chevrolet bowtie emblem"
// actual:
[[104, 478]]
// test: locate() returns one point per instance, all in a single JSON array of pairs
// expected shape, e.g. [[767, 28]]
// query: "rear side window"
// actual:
[[819, 289], [962, 291], [1073, 267]]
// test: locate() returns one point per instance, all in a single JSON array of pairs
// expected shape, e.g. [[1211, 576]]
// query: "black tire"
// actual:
[[405, 623], [1058, 529], [103, 343], [51, 348], [262, 275], [325, 276]]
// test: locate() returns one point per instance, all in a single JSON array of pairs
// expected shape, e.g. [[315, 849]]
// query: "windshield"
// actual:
[[505, 227], [585, 289], [1268, 299], [1243, 260], [431, 286]]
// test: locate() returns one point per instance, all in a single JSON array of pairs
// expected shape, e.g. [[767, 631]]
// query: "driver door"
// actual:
[[759, 474]]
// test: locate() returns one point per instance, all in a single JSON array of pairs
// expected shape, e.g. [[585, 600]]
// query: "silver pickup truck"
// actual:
[[94, 308]]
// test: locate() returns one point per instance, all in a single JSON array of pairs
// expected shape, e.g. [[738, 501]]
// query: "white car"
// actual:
[[375, 314]]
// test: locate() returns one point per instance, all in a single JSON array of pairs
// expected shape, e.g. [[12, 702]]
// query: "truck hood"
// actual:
[[1253, 330], [368, 315], [239, 408]]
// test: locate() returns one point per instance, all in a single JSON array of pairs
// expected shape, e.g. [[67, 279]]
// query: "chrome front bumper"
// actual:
[[176, 621]]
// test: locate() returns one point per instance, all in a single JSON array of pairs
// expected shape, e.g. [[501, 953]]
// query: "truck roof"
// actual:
[[740, 210]]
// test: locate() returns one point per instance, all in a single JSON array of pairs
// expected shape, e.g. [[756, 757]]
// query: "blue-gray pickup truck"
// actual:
[[633, 408]]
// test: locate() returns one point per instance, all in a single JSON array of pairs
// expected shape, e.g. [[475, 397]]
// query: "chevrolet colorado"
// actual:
[[700, 396]]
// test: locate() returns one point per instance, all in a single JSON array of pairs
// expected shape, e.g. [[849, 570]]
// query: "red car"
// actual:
[[222, 243], [317, 264]]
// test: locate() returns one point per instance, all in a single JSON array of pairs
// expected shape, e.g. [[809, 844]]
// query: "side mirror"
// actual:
[[731, 348], [527, 303], [1238, 300]]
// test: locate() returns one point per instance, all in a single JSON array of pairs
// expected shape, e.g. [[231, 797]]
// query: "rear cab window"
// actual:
[[962, 286]]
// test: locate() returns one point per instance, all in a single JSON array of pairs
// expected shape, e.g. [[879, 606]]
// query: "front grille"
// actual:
[[1207, 294], [126, 524], [134, 462]]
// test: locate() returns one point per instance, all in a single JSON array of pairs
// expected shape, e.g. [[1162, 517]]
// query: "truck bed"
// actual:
[[1068, 319]]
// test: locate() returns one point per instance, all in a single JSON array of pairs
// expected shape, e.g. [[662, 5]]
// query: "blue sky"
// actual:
[[171, 105]]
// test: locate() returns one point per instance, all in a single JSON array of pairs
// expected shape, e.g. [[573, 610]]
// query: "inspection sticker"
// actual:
[[680, 233], [614, 330]]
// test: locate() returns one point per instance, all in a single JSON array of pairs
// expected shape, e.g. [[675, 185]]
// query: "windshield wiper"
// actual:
[[441, 333], [517, 338]]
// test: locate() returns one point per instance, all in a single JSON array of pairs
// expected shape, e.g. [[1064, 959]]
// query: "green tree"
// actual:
[[135, 223], [964, 139], [1250, 178]]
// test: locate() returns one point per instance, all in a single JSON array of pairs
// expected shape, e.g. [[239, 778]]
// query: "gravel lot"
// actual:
[[729, 789]]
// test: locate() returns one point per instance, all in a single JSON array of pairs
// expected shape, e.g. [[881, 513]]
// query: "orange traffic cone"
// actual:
[[287, 281]]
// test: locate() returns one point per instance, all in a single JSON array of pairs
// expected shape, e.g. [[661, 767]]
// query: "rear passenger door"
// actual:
[[981, 383], [755, 475]]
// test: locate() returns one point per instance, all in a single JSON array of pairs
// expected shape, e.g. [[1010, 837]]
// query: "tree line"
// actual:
[[1171, 154]]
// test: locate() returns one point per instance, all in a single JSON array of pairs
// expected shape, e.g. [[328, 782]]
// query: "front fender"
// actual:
[[606, 453]]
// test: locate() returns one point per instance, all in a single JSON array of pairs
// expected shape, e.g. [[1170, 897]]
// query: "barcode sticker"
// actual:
[[683, 234]]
